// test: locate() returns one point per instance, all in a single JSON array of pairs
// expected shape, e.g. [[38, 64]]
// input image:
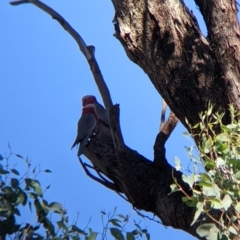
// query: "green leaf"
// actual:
[[198, 212], [204, 184], [121, 216], [237, 207], [1, 157], [209, 163], [78, 230], [35, 185], [213, 191], [177, 164], [189, 179], [222, 137], [47, 171], [130, 236], [220, 162], [174, 188], [115, 222], [7, 190], [232, 230], [210, 108], [37, 188], [56, 207], [32, 195], [147, 236], [116, 233], [135, 232], [62, 225], [48, 225], [195, 126], [191, 202], [206, 177], [216, 203], [19, 156], [208, 230], [206, 145], [237, 174], [2, 171], [224, 128], [14, 183], [21, 197], [137, 225], [14, 171], [92, 236], [227, 202]]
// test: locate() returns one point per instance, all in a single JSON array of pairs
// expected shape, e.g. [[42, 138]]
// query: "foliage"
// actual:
[[119, 222], [216, 189], [26, 190]]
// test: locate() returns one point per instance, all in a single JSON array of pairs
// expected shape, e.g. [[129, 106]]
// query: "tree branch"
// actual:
[[86, 50], [163, 38], [223, 33], [162, 137], [104, 182]]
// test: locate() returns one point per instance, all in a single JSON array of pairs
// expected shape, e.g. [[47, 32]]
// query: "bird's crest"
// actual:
[[88, 100]]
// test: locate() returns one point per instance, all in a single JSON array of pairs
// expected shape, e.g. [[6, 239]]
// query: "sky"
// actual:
[[43, 78]]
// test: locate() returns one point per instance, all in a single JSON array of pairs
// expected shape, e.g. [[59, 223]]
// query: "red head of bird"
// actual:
[[88, 100]]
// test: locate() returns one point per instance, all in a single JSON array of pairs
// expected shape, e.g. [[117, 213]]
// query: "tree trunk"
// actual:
[[188, 71]]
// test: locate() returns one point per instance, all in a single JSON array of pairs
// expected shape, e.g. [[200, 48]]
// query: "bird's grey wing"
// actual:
[[82, 145], [102, 113], [86, 124]]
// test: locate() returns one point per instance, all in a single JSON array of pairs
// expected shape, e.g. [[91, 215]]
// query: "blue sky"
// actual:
[[43, 78]]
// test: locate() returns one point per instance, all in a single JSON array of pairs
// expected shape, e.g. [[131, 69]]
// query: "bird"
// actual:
[[86, 126], [100, 110]]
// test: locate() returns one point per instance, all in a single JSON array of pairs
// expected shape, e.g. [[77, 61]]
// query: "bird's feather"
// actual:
[[86, 125]]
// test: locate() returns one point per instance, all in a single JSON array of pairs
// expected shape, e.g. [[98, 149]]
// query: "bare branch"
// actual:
[[105, 183], [87, 51], [19, 2], [162, 137]]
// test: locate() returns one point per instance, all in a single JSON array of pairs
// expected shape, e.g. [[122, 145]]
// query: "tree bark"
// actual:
[[189, 71]]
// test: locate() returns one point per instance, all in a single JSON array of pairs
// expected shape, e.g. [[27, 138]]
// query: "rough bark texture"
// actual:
[[163, 38]]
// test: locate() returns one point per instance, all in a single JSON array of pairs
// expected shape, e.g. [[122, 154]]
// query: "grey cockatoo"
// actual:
[[100, 110], [86, 126]]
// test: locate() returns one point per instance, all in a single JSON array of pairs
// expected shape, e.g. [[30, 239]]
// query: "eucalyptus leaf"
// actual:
[[92, 236], [213, 191], [14, 183], [227, 202], [177, 164], [130, 236], [116, 233], [190, 180], [237, 207], [208, 230], [198, 212], [232, 230]]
